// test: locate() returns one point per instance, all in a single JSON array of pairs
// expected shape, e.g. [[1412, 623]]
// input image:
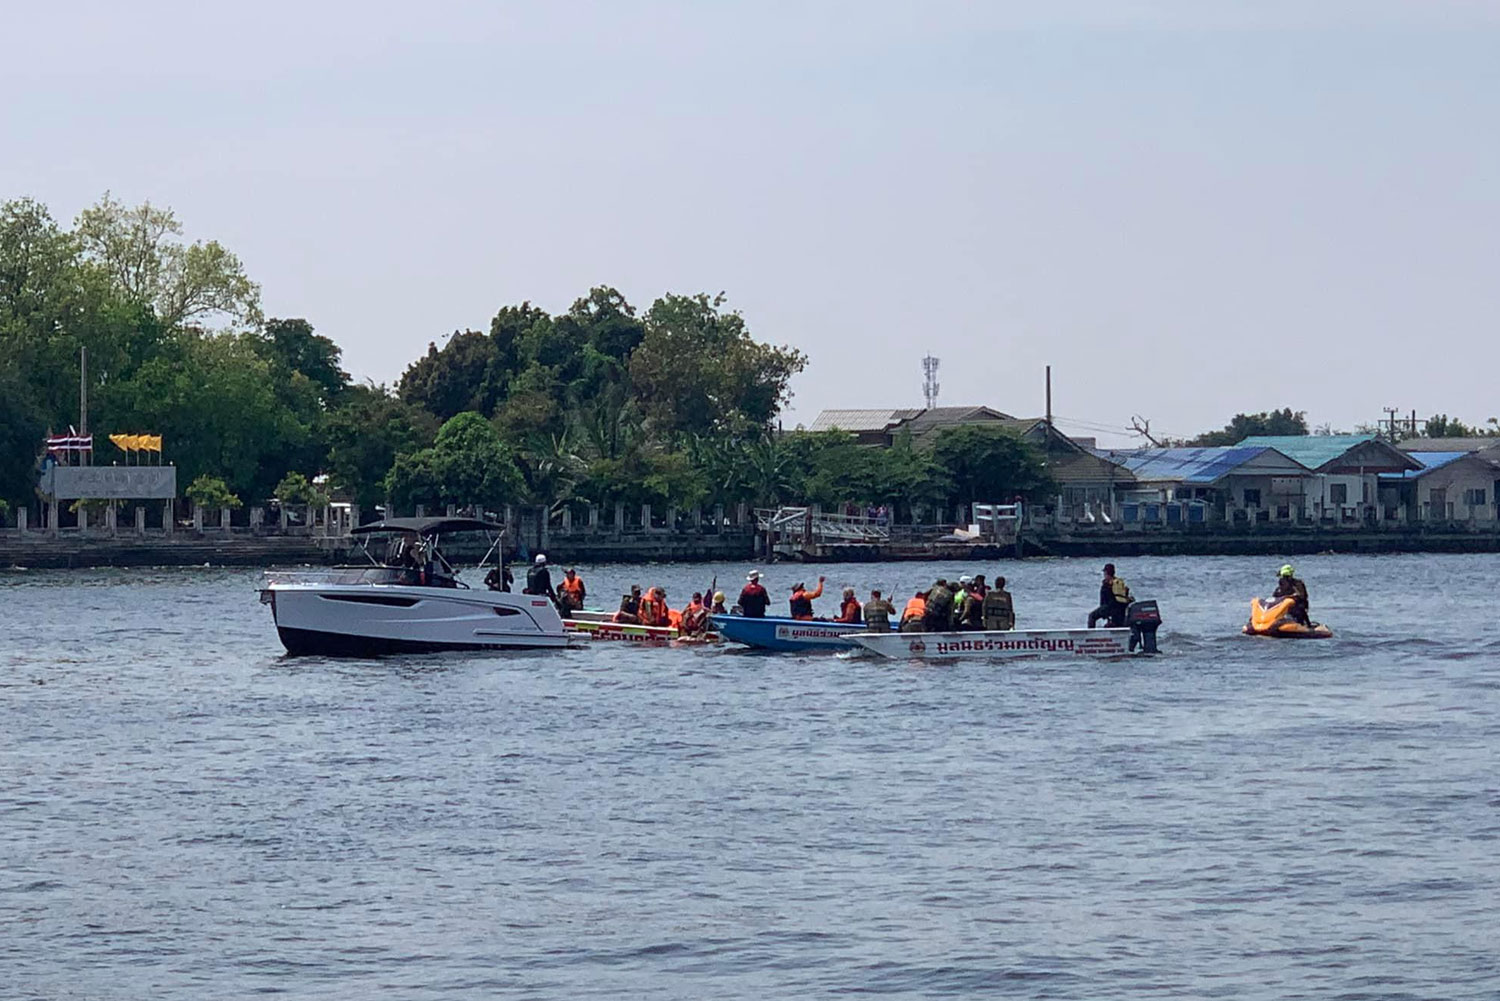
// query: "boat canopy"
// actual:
[[427, 526]]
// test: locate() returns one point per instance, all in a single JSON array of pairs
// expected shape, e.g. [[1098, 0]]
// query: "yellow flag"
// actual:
[[152, 442], [122, 440]]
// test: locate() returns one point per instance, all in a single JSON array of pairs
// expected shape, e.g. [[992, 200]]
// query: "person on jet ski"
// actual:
[[1288, 586]]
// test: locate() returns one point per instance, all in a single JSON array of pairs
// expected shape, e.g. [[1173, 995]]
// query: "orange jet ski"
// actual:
[[1272, 620]]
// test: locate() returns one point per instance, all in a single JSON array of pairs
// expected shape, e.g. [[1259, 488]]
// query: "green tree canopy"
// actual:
[[467, 464], [211, 492], [1242, 426], [984, 465]]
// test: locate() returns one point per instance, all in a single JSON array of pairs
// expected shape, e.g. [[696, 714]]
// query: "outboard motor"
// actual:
[[1143, 618]]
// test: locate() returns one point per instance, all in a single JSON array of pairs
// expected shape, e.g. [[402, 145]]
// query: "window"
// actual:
[[1474, 498], [1252, 498], [1338, 493]]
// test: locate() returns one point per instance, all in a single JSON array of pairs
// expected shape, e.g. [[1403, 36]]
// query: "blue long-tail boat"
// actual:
[[777, 633]]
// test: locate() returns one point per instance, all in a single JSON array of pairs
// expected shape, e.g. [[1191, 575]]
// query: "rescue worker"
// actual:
[[963, 601], [1114, 598], [913, 614], [970, 615], [570, 593], [849, 610], [938, 614], [654, 608], [878, 612], [802, 599], [1288, 586], [630, 607], [539, 578], [718, 606], [499, 579], [753, 597], [998, 611], [694, 617], [978, 587]]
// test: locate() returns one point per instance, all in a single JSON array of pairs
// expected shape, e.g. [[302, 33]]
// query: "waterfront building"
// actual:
[[1344, 485], [1458, 486]]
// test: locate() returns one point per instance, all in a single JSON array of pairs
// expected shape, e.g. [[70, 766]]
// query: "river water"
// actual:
[[187, 813]]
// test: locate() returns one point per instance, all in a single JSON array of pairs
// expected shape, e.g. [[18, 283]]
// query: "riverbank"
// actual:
[[38, 551]]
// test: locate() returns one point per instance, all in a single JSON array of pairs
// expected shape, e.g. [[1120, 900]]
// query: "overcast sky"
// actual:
[[1188, 208]]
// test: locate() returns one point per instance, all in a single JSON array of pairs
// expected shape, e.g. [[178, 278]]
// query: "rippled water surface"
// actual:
[[187, 813]]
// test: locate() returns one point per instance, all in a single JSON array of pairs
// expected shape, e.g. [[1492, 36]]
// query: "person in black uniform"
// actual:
[[539, 578]]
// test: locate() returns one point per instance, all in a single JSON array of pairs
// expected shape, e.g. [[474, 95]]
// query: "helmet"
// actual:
[[540, 558], [966, 579], [1286, 571], [718, 596]]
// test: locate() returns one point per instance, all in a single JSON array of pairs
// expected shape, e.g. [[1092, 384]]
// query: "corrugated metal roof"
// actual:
[[1449, 444], [926, 421], [1185, 465], [859, 420], [1312, 450], [1429, 461]]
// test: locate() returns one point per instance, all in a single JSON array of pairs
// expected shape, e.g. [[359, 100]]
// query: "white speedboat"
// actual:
[[412, 601]]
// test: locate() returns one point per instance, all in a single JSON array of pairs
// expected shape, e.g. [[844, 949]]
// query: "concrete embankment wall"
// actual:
[[40, 552]]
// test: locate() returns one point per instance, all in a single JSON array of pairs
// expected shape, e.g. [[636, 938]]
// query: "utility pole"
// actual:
[[1390, 414], [83, 401], [1049, 396]]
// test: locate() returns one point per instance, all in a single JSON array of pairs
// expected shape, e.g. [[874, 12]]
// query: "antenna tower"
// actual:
[[929, 382]]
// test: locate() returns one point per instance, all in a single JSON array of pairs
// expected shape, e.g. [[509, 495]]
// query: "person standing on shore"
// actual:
[[753, 597], [878, 612]]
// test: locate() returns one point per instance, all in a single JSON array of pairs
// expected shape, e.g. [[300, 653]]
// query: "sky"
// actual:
[[1188, 209]]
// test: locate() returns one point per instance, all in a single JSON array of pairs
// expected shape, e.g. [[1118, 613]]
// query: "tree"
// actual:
[[467, 464], [365, 433], [295, 488], [448, 381], [215, 402], [211, 493], [989, 465], [1242, 426], [1443, 426], [181, 283], [21, 432], [697, 368], [292, 347]]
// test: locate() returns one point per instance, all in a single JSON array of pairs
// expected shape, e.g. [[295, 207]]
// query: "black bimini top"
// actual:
[[427, 526]]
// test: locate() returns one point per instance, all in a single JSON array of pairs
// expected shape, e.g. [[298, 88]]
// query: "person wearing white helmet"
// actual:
[[539, 578], [1288, 586]]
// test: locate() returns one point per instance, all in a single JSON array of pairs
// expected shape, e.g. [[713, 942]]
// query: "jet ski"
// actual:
[[1273, 620]]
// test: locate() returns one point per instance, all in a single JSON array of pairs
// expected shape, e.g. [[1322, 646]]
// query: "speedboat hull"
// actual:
[[374, 619], [786, 635], [1047, 644]]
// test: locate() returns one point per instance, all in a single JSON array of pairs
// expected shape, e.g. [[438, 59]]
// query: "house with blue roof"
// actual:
[[1344, 484], [1458, 486], [1231, 483]]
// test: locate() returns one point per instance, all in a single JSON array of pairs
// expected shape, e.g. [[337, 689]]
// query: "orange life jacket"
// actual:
[[574, 588], [916, 608], [654, 610], [694, 619], [850, 612]]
